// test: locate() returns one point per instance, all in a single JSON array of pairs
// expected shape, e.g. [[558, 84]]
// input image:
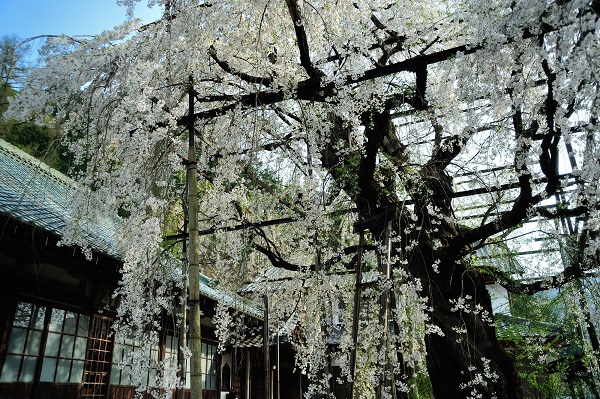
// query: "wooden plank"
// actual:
[[42, 391], [13, 390]]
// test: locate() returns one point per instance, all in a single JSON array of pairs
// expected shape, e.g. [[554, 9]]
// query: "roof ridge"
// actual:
[[22, 156]]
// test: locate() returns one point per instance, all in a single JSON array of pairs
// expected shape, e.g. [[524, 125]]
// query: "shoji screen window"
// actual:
[[209, 366], [122, 355], [24, 344], [172, 347], [66, 345], [209, 362], [51, 343]]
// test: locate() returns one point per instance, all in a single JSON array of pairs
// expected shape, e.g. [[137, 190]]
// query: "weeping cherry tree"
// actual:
[[389, 140]]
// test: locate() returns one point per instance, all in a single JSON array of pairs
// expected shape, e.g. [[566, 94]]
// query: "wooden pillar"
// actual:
[[266, 354], [193, 255], [248, 379], [356, 315]]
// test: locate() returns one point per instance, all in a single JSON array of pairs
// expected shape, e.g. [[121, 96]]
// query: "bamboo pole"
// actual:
[[384, 310], [266, 355], [193, 255], [277, 363], [356, 315], [183, 330]]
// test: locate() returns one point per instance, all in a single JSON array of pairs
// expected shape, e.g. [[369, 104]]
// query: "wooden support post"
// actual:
[[266, 355], [385, 269], [248, 388], [193, 254], [181, 360], [356, 315], [277, 366]]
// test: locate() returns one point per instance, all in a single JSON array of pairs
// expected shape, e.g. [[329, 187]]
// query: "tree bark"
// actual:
[[466, 359], [469, 341]]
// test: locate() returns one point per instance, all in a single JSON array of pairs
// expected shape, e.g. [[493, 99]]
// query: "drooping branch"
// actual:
[[277, 261], [266, 80]]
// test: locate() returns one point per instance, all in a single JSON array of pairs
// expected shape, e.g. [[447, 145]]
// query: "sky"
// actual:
[[29, 18]]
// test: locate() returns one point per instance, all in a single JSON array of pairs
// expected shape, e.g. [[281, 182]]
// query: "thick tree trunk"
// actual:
[[467, 360]]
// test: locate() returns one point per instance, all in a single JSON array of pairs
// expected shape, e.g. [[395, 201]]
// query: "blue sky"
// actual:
[[29, 18]]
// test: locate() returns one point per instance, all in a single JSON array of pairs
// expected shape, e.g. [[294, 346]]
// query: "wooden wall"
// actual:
[[22, 390], [126, 392], [41, 390]]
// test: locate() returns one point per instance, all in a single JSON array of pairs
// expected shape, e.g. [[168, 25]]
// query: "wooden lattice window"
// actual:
[[97, 368], [209, 366], [46, 344]]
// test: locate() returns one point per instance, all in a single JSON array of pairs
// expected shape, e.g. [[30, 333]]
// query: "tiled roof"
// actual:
[[232, 299], [36, 194]]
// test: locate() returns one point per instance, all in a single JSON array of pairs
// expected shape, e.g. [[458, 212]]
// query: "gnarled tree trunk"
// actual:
[[465, 358]]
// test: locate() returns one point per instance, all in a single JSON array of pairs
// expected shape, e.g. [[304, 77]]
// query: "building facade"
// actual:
[[57, 308]]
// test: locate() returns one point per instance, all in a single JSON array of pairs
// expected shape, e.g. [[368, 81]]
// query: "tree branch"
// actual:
[[449, 149], [266, 81], [302, 41], [376, 125], [396, 39], [353, 249], [278, 261], [522, 203], [569, 274], [311, 90], [549, 145]]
